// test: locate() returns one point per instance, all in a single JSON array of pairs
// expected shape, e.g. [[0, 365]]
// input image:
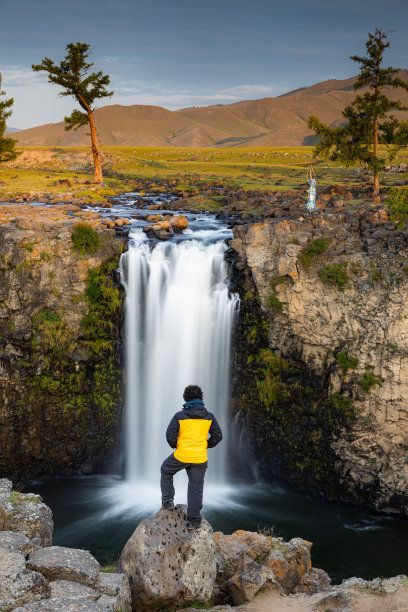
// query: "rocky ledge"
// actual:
[[166, 566]]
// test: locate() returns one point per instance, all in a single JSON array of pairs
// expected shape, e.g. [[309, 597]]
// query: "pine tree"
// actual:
[[7, 145], [358, 139], [73, 75]]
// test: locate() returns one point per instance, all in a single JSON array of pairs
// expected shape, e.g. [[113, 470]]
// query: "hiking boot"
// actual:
[[168, 505], [192, 526]]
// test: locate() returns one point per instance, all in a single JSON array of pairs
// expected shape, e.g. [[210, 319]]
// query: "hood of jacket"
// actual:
[[195, 409]]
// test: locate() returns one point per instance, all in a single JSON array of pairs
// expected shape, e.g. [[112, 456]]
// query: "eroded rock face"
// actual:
[[310, 318], [52, 372], [166, 564]]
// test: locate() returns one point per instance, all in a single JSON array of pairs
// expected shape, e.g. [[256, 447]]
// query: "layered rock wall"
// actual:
[[60, 374], [330, 344]]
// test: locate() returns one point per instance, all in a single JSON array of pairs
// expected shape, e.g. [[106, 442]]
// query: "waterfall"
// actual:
[[179, 319]]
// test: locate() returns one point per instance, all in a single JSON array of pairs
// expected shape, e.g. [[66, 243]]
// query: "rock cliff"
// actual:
[[60, 311], [323, 352]]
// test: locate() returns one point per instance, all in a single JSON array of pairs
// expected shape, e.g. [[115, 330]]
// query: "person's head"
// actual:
[[192, 392]]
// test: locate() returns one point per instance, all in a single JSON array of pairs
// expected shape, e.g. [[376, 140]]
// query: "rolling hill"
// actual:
[[280, 121]]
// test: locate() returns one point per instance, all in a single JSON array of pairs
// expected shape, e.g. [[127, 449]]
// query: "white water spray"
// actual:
[[179, 319]]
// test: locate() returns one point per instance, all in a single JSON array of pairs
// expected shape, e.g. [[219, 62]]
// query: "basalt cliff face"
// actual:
[[59, 332], [322, 353]]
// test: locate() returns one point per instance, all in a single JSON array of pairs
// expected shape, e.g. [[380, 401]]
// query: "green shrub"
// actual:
[[397, 203], [346, 362], [368, 380], [343, 405], [311, 250], [48, 316], [275, 303], [334, 274], [85, 239]]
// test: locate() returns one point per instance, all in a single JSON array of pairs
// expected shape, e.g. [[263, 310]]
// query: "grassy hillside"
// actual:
[[267, 122]]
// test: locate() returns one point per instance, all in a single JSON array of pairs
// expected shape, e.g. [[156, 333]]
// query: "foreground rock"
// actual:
[[249, 562], [53, 578], [26, 514], [166, 564]]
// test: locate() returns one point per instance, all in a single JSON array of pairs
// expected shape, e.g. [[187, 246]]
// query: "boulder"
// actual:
[[63, 604], [289, 562], [116, 586], [25, 513], [313, 581], [18, 585], [251, 578], [168, 565], [179, 223], [61, 563], [17, 542], [72, 590]]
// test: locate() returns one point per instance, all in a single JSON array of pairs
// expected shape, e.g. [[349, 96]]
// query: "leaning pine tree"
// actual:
[[72, 74], [368, 119], [7, 145]]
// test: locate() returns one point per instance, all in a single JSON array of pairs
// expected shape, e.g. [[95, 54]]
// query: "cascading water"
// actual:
[[179, 319]]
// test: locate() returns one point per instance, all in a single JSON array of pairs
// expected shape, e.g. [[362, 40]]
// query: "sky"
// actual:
[[179, 53]]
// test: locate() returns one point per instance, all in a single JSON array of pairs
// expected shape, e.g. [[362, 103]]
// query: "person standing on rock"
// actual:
[[188, 434]]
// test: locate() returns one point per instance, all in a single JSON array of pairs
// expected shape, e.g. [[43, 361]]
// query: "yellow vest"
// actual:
[[192, 440]]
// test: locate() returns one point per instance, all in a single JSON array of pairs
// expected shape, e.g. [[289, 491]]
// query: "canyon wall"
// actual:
[[322, 353], [60, 373]]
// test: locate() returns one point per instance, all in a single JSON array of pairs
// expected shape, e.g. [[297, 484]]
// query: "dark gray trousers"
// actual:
[[195, 473]]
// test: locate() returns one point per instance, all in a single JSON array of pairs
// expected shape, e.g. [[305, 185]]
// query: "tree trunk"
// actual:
[[98, 178]]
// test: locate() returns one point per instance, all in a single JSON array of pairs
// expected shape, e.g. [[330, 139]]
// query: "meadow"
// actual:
[[41, 169]]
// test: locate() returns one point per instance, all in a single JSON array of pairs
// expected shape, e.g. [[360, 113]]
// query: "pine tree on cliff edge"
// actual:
[[7, 145], [358, 140], [72, 75]]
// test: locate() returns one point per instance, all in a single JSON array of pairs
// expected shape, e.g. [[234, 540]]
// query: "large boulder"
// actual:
[[18, 585], [25, 513], [63, 604], [289, 562], [251, 578], [61, 563], [168, 565]]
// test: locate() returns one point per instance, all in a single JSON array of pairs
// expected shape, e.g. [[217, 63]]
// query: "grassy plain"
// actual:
[[268, 168]]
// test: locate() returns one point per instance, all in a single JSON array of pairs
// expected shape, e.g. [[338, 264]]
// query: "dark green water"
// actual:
[[99, 513]]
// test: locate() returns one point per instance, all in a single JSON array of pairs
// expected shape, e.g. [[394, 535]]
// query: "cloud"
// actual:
[[15, 76], [139, 92]]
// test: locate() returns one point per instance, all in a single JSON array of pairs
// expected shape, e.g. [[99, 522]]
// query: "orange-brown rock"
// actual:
[[179, 223]]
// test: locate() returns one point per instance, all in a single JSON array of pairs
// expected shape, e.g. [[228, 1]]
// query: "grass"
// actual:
[[312, 250], [268, 168], [85, 239], [334, 274]]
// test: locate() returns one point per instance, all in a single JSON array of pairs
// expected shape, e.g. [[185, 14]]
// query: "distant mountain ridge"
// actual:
[[11, 130], [280, 121]]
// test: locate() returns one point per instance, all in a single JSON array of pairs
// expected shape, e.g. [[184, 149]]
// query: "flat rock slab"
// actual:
[[72, 590], [61, 563], [62, 604], [18, 585], [17, 542]]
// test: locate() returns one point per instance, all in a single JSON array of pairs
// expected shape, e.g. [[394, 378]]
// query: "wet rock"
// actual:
[[14, 541], [61, 563], [166, 564], [251, 578], [19, 585], [179, 223], [116, 586]]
